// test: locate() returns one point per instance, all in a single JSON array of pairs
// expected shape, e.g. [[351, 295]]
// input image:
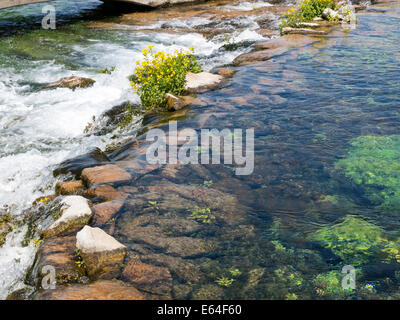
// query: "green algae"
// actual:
[[357, 242], [329, 285], [5, 227], [374, 163], [54, 45]]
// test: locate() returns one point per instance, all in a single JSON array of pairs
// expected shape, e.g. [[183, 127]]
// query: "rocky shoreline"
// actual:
[[100, 254]]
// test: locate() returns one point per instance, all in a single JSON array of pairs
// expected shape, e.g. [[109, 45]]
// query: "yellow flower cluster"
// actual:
[[161, 73]]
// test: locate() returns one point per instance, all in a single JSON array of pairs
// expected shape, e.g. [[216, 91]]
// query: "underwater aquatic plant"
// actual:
[[373, 162], [329, 285], [235, 272], [202, 215], [357, 242], [224, 281]]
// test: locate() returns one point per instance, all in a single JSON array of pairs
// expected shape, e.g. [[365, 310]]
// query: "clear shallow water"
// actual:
[[307, 106], [40, 129]]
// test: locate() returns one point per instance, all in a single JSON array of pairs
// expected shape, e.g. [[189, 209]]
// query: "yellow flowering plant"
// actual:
[[305, 11], [160, 73]]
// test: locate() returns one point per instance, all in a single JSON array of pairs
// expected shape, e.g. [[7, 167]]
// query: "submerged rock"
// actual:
[[103, 212], [272, 48], [180, 268], [208, 292], [149, 278], [225, 72], [99, 290], [101, 253], [71, 83], [74, 213], [104, 174], [202, 81], [263, 55]]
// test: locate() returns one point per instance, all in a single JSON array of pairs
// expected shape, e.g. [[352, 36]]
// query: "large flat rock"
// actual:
[[99, 290], [196, 82], [149, 278], [59, 253], [108, 173]]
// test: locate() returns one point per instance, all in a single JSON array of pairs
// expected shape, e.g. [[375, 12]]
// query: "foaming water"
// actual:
[[247, 6]]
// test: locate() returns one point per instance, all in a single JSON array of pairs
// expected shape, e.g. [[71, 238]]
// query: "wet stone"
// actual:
[[109, 173], [96, 157], [69, 187], [149, 278], [101, 253], [59, 253], [71, 83], [174, 103], [182, 269], [196, 82], [208, 292], [105, 193], [74, 213], [153, 236], [99, 290], [103, 212]]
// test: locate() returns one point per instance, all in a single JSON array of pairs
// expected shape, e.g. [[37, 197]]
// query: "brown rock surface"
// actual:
[[59, 253], [69, 187], [148, 277], [103, 212], [102, 254], [174, 103], [99, 290], [271, 48], [71, 83], [108, 173], [105, 193]]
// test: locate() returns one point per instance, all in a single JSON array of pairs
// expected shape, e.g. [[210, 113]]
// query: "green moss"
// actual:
[[5, 227], [357, 242], [107, 71], [287, 275], [329, 285], [374, 163]]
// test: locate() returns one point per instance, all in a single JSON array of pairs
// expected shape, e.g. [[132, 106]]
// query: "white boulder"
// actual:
[[74, 212], [101, 253]]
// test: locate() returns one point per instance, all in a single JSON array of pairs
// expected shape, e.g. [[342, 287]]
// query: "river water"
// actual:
[[301, 134]]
